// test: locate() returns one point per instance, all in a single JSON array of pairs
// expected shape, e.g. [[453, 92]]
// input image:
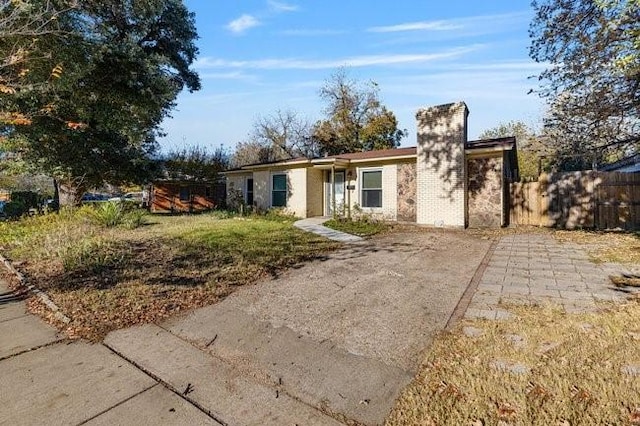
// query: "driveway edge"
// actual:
[[40, 294], [465, 300]]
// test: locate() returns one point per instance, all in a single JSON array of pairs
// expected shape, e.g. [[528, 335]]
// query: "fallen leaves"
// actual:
[[14, 118]]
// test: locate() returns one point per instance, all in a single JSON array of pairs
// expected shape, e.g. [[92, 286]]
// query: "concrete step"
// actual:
[[212, 384], [318, 373]]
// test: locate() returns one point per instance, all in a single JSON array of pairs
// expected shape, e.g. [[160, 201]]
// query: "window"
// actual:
[[250, 192], [185, 194], [372, 188], [279, 191]]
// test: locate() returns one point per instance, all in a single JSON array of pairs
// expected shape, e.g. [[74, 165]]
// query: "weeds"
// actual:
[[90, 255], [362, 226], [112, 214], [134, 219]]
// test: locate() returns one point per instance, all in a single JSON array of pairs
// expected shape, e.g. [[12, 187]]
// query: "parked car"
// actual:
[[132, 197], [90, 197]]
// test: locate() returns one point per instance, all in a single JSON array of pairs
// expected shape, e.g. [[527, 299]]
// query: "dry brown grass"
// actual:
[[544, 367], [617, 247], [109, 278]]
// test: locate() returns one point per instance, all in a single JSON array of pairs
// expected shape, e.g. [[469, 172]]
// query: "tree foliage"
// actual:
[[284, 134], [196, 163], [252, 152], [29, 31], [124, 63], [592, 82], [531, 148], [356, 120]]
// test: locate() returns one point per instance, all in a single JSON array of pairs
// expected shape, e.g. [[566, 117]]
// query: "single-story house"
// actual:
[[626, 165], [185, 196], [443, 181]]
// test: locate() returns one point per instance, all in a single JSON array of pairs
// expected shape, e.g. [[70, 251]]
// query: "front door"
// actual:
[[338, 184]]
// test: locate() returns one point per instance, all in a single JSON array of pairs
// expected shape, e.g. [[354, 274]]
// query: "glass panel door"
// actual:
[[340, 191]]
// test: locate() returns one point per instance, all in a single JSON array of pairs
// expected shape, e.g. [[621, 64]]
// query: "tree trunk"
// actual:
[[56, 197], [69, 193]]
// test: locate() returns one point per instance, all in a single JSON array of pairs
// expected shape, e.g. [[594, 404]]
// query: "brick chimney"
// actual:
[[441, 166]]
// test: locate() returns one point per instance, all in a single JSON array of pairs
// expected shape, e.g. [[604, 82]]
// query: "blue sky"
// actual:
[[258, 56]]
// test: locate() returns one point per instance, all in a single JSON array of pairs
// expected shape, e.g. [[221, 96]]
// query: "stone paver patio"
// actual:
[[537, 269]]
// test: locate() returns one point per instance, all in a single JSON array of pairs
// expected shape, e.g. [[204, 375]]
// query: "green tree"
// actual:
[[356, 120], [531, 149], [592, 82], [196, 163], [124, 63], [29, 31]]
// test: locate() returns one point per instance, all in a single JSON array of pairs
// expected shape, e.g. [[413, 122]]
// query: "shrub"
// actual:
[[90, 255], [135, 218], [109, 214], [15, 208]]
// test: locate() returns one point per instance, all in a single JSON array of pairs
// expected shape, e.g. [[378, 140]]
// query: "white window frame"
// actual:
[[361, 188], [286, 191]]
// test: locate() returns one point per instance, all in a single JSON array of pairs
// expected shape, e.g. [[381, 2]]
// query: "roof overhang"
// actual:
[[266, 166], [328, 163], [485, 151]]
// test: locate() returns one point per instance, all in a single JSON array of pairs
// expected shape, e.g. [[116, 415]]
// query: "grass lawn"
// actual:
[[359, 227], [109, 278], [543, 367]]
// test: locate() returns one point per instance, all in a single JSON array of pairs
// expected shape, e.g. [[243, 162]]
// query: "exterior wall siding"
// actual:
[[166, 197], [315, 192], [236, 182], [297, 191], [390, 192], [441, 181], [262, 190]]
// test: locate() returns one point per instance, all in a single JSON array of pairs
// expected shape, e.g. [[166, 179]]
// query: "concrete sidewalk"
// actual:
[[47, 379], [314, 225], [537, 269]]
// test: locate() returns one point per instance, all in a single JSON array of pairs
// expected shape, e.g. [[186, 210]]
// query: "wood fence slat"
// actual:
[[588, 199]]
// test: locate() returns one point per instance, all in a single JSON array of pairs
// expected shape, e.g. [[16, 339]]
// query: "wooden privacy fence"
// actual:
[[587, 199]]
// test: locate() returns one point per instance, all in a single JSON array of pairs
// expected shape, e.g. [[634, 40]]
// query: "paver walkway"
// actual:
[[537, 269]]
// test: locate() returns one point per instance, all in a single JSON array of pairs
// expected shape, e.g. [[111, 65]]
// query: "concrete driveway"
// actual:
[[336, 339]]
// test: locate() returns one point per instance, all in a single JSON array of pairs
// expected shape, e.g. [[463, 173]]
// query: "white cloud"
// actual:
[[312, 33], [417, 26], [471, 23], [282, 7], [233, 75], [355, 61], [242, 24]]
